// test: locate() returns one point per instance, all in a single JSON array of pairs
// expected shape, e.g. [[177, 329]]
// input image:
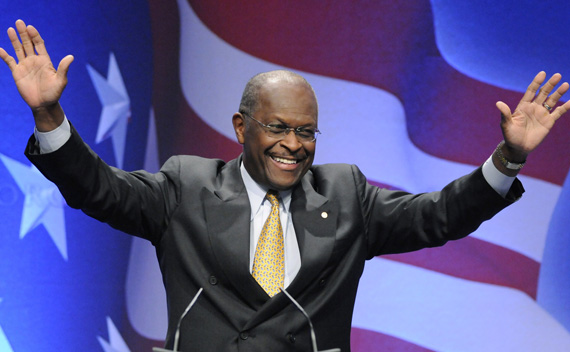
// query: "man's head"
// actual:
[[283, 98]]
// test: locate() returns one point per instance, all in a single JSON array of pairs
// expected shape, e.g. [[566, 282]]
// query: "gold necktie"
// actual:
[[269, 262]]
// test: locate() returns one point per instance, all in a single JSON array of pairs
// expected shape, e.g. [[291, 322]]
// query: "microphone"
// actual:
[[177, 333], [313, 337]]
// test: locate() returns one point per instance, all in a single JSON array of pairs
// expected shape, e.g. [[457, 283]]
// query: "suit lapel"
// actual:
[[315, 219], [227, 215]]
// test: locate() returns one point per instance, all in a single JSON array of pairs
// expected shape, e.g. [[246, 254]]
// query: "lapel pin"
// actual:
[[324, 215]]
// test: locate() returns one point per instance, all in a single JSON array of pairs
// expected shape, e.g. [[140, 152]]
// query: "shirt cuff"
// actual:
[[55, 139], [500, 182]]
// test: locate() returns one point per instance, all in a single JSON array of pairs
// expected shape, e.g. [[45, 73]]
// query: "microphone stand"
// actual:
[[195, 298], [177, 333], [313, 336]]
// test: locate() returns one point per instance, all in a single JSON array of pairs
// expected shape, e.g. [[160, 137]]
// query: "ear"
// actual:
[[238, 121]]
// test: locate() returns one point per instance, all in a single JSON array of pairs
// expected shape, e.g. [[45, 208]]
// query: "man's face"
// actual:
[[279, 162]]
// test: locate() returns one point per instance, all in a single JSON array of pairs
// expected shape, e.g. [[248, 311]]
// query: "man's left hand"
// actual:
[[533, 118]]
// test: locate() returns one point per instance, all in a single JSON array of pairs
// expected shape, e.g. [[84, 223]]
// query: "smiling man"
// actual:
[[277, 103], [268, 220]]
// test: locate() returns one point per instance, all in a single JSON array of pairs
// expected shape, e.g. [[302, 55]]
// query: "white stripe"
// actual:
[[144, 290], [361, 124], [444, 313]]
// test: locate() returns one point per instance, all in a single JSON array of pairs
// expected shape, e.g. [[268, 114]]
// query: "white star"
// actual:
[[116, 342], [116, 108], [43, 203], [4, 344]]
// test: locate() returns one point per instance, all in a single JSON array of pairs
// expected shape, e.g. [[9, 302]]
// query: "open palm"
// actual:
[[39, 84], [533, 118]]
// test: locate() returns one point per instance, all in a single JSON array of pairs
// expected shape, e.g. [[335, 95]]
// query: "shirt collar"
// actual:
[[257, 192]]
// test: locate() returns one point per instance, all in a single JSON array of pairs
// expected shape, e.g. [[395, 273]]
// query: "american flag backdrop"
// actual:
[[406, 90]]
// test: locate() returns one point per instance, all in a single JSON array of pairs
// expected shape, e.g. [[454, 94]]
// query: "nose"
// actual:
[[291, 142]]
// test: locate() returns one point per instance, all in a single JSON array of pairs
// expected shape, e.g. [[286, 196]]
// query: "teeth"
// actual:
[[284, 161]]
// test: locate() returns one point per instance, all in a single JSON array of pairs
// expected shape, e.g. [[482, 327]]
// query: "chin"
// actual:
[[282, 186]]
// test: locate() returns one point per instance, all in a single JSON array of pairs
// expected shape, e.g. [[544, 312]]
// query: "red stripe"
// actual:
[[477, 260], [179, 129], [362, 340]]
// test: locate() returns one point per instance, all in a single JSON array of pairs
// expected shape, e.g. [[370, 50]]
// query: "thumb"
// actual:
[[8, 59], [64, 66], [504, 109]]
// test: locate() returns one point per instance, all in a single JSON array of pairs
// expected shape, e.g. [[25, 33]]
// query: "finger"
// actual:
[[37, 40], [26, 42], [9, 60], [18, 49], [533, 87], [63, 66], [547, 88], [561, 110], [554, 97]]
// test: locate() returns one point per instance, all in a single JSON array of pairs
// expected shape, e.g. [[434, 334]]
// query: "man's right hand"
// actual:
[[39, 84]]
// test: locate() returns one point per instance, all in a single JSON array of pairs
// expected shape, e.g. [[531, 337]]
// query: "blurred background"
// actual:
[[407, 91]]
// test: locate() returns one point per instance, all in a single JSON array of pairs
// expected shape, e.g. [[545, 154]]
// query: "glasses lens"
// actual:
[[277, 129], [305, 135]]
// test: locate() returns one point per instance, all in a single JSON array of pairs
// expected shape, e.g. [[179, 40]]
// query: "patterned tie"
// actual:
[[269, 261]]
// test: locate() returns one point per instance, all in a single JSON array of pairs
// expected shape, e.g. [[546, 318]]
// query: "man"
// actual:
[[207, 218]]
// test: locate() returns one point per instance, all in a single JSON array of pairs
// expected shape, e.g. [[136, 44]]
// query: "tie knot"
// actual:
[[272, 197]]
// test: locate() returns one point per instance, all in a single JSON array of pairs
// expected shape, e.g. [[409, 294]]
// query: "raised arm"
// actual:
[[526, 127], [39, 84]]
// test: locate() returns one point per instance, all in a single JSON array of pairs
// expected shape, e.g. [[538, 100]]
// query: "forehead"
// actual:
[[287, 99]]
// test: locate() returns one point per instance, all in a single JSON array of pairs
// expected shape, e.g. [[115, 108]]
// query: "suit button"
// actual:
[[213, 280], [243, 335], [291, 337], [322, 282]]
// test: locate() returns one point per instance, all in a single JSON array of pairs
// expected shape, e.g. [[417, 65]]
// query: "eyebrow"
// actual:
[[281, 122]]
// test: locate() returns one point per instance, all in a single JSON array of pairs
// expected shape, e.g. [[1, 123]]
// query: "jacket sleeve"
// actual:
[[397, 221], [138, 203]]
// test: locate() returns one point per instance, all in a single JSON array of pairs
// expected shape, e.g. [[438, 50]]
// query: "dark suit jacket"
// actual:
[[196, 212]]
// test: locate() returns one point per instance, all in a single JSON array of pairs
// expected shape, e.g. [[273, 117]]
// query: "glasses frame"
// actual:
[[296, 130]]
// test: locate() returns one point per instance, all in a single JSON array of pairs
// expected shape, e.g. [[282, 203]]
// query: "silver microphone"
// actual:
[[177, 333], [313, 337]]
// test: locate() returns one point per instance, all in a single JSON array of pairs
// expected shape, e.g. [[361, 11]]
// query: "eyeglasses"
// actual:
[[277, 130]]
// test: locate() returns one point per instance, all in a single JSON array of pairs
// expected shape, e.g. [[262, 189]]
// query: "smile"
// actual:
[[284, 161]]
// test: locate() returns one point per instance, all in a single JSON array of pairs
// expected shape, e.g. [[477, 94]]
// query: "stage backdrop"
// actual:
[[407, 91]]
